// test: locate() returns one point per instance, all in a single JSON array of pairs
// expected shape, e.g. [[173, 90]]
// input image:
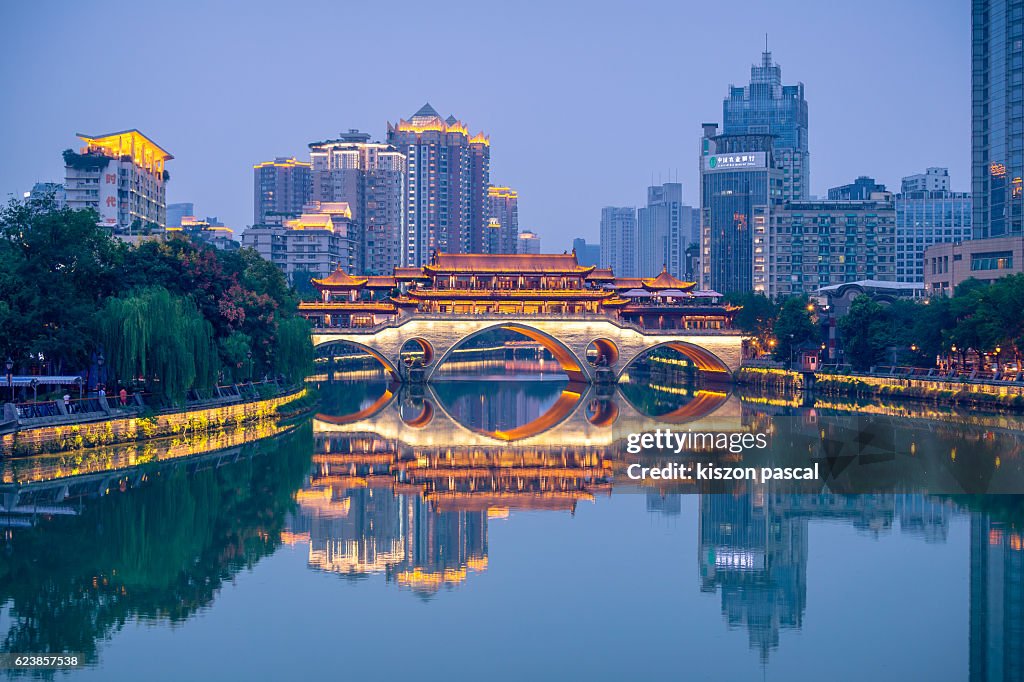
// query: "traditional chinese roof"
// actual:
[[477, 263], [513, 294], [381, 282], [601, 275], [408, 273], [339, 279], [666, 281]]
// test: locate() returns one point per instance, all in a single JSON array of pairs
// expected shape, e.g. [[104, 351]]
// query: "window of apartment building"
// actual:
[[992, 260]]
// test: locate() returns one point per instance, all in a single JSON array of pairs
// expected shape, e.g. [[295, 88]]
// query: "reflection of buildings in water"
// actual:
[[997, 601], [753, 546], [499, 410], [664, 504]]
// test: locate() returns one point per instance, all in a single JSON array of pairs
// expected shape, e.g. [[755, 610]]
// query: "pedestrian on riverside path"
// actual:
[[102, 392], [67, 403], [124, 396]]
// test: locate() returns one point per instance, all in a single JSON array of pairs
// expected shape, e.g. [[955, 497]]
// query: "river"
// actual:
[[487, 528]]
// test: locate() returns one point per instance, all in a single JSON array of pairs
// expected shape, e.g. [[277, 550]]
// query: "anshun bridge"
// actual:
[[593, 323]]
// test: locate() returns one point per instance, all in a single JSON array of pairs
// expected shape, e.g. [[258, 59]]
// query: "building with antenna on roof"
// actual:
[[122, 177], [447, 208], [767, 107]]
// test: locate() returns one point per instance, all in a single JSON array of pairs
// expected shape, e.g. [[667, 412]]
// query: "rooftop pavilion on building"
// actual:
[[514, 285]]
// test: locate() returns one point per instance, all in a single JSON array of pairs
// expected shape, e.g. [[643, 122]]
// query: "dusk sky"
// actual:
[[583, 102]]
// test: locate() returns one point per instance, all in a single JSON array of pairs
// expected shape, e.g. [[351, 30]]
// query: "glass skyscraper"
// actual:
[[767, 107], [740, 182], [997, 116]]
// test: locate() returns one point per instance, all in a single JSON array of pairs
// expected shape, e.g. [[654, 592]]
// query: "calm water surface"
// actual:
[[488, 530]]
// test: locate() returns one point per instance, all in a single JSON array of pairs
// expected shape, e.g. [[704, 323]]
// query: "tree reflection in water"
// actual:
[[159, 551]]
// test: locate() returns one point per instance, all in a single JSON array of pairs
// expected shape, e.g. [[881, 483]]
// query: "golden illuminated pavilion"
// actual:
[[511, 284]]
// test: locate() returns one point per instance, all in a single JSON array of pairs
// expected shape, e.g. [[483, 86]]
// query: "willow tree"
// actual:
[[294, 357], [157, 337]]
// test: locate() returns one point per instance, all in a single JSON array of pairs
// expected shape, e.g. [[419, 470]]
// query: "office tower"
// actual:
[[122, 177], [948, 265], [815, 244], [319, 240], [665, 227], [997, 117], [619, 240], [371, 178], [767, 107], [446, 193], [927, 213], [586, 254], [281, 186], [528, 242], [932, 180], [175, 212], [48, 191], [503, 220], [740, 183], [860, 189]]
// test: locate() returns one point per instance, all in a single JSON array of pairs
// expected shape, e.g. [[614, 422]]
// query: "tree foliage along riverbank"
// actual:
[[978, 318], [173, 314]]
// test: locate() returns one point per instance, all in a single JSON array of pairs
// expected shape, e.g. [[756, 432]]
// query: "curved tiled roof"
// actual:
[[339, 279]]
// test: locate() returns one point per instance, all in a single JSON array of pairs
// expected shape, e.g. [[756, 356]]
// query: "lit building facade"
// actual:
[[528, 242], [319, 240], [446, 206], [996, 600], [502, 234], [767, 107], [282, 186], [997, 117], [815, 244], [948, 265], [122, 177], [924, 218], [208, 231], [740, 186], [619, 240], [371, 178], [176, 212]]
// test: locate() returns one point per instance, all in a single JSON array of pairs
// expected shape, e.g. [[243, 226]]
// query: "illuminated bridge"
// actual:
[[568, 338], [591, 321]]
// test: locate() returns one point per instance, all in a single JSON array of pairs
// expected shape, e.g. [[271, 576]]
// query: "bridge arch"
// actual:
[[389, 367], [564, 406], [701, 357], [567, 360]]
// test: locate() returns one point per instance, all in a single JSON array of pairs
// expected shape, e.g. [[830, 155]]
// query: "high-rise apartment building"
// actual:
[[740, 183], [528, 242], [860, 189], [586, 254], [932, 180], [927, 213], [46, 192], [502, 232], [997, 117], [815, 244], [446, 203], [767, 107], [371, 178], [666, 226], [282, 186], [619, 240], [122, 177], [314, 243], [175, 212]]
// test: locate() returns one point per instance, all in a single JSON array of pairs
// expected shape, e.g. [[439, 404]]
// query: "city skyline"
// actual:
[[526, 111]]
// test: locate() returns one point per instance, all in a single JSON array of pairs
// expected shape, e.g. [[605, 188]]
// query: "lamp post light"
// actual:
[[99, 366], [35, 385], [249, 355], [10, 376]]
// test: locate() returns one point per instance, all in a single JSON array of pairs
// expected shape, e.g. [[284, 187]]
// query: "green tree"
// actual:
[[866, 333], [794, 326], [756, 317], [161, 338]]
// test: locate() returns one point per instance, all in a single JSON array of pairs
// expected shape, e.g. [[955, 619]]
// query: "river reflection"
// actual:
[[505, 510]]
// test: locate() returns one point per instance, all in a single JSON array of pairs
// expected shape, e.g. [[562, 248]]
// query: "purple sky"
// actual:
[[583, 101]]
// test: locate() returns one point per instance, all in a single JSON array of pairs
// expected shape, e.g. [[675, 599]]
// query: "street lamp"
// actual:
[[10, 376], [99, 365], [249, 355]]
